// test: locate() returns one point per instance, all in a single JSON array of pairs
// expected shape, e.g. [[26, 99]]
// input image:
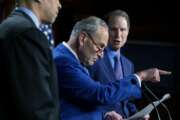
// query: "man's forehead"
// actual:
[[103, 35]]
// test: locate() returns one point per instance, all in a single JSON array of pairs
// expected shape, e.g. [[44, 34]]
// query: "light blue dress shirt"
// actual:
[[31, 15], [111, 55]]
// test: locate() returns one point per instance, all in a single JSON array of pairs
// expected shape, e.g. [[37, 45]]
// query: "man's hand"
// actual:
[[113, 116], [152, 74], [147, 117]]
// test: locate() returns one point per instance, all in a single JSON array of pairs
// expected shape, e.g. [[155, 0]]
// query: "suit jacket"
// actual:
[[81, 96], [28, 86], [103, 72]]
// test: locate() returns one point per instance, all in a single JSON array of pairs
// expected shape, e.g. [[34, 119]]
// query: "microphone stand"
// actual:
[[150, 100], [162, 104]]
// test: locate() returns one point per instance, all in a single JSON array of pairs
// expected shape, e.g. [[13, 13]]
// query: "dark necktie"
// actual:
[[119, 75], [47, 30], [117, 68]]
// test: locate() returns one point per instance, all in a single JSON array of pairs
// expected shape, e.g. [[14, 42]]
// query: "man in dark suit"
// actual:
[[28, 86], [104, 69], [82, 98]]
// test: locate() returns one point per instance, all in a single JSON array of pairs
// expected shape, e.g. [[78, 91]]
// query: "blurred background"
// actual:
[[152, 42]]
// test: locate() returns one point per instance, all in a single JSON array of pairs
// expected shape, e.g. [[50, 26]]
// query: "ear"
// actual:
[[82, 38]]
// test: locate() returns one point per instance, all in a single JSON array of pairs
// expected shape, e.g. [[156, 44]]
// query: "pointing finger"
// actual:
[[163, 72]]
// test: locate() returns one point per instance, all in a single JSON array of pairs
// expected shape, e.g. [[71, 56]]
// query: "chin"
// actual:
[[115, 48], [54, 19], [51, 20], [90, 63], [118, 47]]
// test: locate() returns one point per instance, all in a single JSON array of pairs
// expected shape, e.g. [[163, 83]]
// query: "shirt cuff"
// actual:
[[138, 78]]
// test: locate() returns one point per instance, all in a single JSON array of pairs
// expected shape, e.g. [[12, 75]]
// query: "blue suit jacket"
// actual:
[[82, 97], [102, 71]]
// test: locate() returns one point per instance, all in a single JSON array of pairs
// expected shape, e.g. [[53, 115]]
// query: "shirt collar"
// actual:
[[112, 53], [71, 50], [31, 15]]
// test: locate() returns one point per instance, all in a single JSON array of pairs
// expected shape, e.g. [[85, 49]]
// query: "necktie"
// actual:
[[47, 30], [117, 68], [119, 75]]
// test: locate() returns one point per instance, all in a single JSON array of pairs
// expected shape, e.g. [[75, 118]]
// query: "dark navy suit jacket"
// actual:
[[102, 71], [28, 85], [82, 97]]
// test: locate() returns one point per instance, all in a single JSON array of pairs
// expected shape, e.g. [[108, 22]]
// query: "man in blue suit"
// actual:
[[82, 98], [104, 69]]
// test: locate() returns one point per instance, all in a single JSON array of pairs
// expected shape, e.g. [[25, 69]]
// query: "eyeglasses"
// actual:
[[99, 49]]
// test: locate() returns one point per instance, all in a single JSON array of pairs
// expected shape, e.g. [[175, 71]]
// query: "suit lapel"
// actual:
[[124, 66]]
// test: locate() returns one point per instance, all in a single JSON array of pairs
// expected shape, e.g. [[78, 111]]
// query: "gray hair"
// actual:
[[89, 25]]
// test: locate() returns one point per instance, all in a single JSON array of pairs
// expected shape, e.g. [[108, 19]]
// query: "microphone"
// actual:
[[147, 110], [166, 96]]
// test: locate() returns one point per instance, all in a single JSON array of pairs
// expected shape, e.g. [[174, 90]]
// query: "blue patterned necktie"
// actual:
[[47, 30], [117, 68]]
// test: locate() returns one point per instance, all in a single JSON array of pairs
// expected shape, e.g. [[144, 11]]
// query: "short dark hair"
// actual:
[[115, 13], [18, 2]]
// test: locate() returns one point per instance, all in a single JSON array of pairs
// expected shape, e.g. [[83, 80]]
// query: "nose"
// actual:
[[59, 5], [100, 54], [118, 33]]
